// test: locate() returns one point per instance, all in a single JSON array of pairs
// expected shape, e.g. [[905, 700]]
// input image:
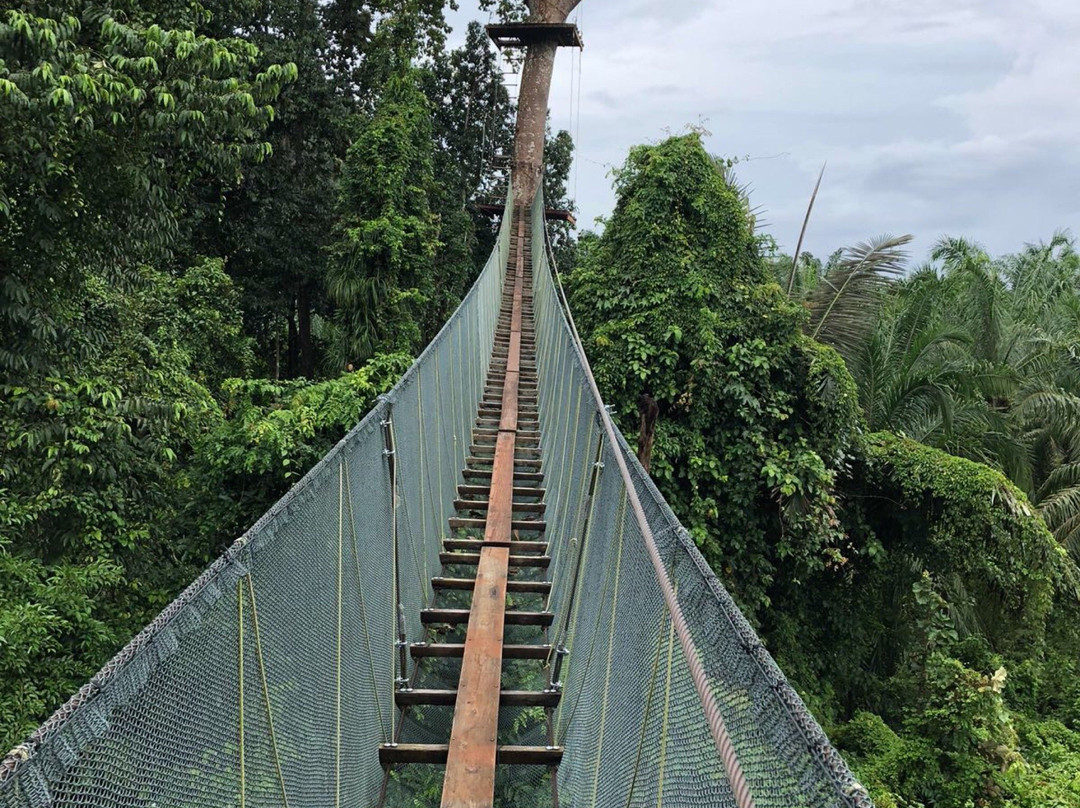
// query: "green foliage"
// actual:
[[915, 598], [134, 140], [276, 224], [471, 122], [88, 479], [56, 625], [90, 106], [558, 158], [973, 525], [675, 302], [270, 435], [382, 270]]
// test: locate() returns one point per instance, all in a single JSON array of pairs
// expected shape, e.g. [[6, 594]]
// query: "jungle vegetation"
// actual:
[[878, 460], [225, 228]]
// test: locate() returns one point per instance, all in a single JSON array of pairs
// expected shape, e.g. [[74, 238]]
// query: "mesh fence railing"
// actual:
[[270, 680], [631, 719]]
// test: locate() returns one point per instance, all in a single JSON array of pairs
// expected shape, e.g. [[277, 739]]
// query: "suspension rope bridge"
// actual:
[[477, 598]]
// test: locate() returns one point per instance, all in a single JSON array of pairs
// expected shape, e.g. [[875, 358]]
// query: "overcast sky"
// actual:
[[935, 116]]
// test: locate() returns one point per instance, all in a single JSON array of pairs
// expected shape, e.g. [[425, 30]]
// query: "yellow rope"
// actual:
[[420, 424], [341, 537], [563, 723], [564, 607], [667, 707], [266, 690], [648, 706], [412, 545], [574, 459], [611, 648], [363, 605], [240, 681], [438, 456]]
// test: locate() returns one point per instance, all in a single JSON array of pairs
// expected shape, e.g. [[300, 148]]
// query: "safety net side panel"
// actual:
[[270, 680], [630, 719]]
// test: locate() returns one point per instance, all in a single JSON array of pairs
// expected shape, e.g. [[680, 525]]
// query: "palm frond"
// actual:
[[1061, 507], [844, 307], [802, 232]]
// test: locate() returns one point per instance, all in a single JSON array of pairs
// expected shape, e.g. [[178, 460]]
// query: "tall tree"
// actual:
[[533, 92], [382, 262], [108, 125], [471, 120], [277, 222], [677, 309]]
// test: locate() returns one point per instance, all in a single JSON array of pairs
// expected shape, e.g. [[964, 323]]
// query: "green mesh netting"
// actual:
[[270, 681]]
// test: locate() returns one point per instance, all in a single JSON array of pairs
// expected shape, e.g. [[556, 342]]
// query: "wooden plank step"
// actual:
[[478, 544], [491, 427], [452, 650], [521, 587], [513, 617], [492, 422], [495, 398], [526, 365], [535, 525], [520, 475], [527, 376], [524, 463], [486, 439], [494, 406], [482, 490], [496, 413], [507, 698], [436, 753], [482, 505], [472, 559]]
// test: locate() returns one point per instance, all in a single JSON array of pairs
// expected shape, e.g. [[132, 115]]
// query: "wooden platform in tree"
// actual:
[[551, 214], [523, 34]]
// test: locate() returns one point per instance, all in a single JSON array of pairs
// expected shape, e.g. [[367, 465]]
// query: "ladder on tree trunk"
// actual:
[[497, 538]]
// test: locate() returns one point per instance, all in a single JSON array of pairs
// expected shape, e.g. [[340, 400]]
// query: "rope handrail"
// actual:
[[724, 745]]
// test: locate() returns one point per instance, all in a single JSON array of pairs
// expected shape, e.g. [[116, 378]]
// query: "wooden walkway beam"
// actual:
[[473, 749]]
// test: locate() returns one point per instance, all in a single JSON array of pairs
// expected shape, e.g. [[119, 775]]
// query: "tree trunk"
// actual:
[[303, 327], [291, 362], [528, 166], [649, 411]]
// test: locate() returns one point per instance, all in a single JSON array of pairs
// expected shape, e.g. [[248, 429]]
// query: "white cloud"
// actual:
[[934, 117]]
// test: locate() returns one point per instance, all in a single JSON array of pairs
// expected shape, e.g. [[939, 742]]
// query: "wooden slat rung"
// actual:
[[466, 522], [521, 587], [436, 753], [482, 505], [473, 559], [476, 545], [456, 650], [513, 617], [507, 698]]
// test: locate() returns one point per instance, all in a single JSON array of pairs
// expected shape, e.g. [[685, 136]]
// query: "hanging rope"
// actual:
[[648, 708], [667, 713], [240, 685], [340, 556], [607, 669], [608, 578], [266, 689], [363, 606], [713, 716], [391, 461]]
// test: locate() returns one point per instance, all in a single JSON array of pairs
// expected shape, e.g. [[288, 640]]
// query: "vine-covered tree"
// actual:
[[382, 268], [676, 304]]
